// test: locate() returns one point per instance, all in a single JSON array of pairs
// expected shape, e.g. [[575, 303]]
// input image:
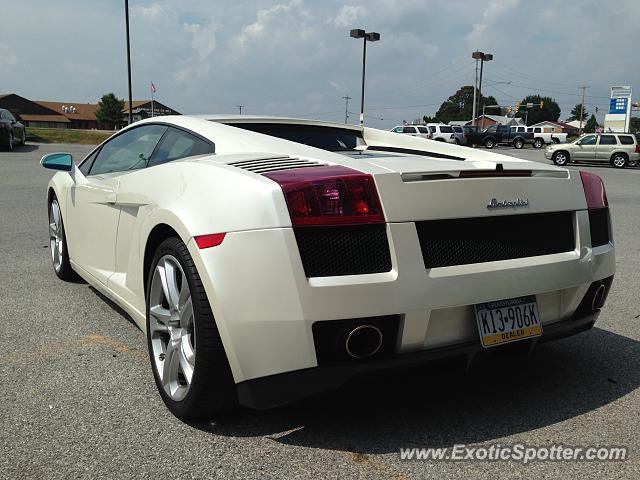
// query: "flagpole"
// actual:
[[152, 109]]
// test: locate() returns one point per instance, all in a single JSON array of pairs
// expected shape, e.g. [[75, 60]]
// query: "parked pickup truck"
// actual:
[[498, 135], [540, 138]]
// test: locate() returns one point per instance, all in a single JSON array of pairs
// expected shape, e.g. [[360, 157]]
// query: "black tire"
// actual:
[[10, 142], [619, 160], [212, 390], [457, 142], [538, 143], [23, 140], [560, 158], [65, 272], [518, 143], [439, 139], [489, 143]]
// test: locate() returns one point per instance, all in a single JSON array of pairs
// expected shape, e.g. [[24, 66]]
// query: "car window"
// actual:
[[408, 130], [537, 130], [432, 129], [129, 150], [398, 129], [458, 129], [588, 140], [446, 129], [85, 166], [423, 129], [626, 139], [608, 140], [178, 144]]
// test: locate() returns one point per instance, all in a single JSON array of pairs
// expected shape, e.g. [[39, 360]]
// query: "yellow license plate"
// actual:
[[506, 321]]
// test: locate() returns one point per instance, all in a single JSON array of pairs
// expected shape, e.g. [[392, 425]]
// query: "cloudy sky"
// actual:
[[295, 57]]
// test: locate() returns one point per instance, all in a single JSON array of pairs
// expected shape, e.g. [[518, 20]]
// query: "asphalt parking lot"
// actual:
[[78, 398]]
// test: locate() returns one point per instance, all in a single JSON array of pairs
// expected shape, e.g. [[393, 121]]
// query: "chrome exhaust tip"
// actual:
[[363, 341], [598, 298]]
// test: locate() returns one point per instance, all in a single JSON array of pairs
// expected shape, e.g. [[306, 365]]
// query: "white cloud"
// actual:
[[7, 56], [348, 14], [149, 12]]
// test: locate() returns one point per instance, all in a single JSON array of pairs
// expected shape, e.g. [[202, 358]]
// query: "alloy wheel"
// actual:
[[56, 239], [619, 161], [560, 159], [172, 328]]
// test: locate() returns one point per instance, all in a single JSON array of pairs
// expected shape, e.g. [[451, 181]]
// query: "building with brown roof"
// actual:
[[32, 114], [80, 115], [146, 108]]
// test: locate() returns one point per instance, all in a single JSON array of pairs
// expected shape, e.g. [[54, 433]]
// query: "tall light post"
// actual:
[[368, 37], [483, 57], [126, 21]]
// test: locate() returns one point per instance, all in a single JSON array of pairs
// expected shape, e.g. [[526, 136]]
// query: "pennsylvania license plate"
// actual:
[[507, 321]]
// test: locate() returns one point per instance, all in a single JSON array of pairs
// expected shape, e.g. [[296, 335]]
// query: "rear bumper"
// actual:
[[272, 391]]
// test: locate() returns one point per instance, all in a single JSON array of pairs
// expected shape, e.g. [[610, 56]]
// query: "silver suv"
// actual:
[[619, 149], [415, 130]]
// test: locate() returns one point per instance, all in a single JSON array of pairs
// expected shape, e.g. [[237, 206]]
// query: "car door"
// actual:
[[606, 145], [585, 148], [92, 212], [409, 131]]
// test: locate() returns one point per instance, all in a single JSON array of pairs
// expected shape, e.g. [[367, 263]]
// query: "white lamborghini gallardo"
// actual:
[[269, 259]]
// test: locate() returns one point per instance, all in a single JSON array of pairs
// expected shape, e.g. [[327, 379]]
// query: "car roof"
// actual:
[[268, 119]]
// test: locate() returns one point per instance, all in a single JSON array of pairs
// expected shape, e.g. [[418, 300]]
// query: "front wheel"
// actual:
[[560, 158], [518, 143], [58, 243], [23, 139], [538, 143], [619, 160], [10, 142], [189, 363]]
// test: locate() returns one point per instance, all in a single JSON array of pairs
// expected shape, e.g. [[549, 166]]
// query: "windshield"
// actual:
[[333, 139]]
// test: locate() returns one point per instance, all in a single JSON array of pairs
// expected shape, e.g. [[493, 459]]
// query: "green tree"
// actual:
[[575, 113], [634, 125], [550, 110], [109, 113], [459, 106], [591, 124]]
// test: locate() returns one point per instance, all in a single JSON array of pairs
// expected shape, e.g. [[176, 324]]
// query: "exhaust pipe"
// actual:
[[598, 298], [363, 341]]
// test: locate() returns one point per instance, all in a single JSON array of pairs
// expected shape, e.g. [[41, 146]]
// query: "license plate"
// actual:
[[505, 321]]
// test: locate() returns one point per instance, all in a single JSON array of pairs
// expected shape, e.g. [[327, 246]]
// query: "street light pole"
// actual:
[[483, 57], [367, 37], [126, 21]]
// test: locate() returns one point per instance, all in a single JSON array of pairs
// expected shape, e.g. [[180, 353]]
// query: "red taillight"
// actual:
[[638, 148], [594, 190], [329, 196], [208, 241]]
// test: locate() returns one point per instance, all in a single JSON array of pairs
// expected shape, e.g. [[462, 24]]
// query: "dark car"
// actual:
[[498, 134], [12, 132]]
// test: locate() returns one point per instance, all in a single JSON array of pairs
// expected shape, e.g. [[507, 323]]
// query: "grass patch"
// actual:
[[66, 135]]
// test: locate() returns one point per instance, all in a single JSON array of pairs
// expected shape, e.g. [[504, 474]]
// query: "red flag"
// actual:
[[153, 87]]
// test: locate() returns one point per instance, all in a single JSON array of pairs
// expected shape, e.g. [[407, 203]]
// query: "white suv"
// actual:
[[441, 132], [415, 130]]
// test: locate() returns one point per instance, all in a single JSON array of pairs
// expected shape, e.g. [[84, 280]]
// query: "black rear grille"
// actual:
[[487, 239], [349, 250], [599, 226]]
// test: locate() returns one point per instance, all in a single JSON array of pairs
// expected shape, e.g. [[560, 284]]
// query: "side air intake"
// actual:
[[274, 164]]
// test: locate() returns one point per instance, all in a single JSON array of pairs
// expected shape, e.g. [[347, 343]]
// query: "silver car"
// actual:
[[618, 149]]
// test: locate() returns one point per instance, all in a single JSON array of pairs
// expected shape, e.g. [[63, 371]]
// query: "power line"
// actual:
[[346, 108]]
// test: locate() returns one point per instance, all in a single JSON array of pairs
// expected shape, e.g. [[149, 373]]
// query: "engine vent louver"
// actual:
[[273, 164]]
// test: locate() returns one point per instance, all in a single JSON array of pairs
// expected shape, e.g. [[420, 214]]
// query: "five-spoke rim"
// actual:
[[561, 158], [619, 161], [55, 235], [171, 327]]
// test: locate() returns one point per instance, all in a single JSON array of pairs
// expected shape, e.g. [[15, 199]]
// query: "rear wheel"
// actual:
[[560, 158], [518, 143], [58, 243], [619, 160], [538, 143], [10, 142], [189, 363], [489, 143]]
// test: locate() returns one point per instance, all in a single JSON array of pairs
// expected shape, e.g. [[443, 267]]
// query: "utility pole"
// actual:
[[126, 21], [475, 88], [582, 109], [240, 107], [483, 57], [346, 99]]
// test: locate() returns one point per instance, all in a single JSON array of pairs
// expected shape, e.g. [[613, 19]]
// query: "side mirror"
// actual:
[[58, 161]]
